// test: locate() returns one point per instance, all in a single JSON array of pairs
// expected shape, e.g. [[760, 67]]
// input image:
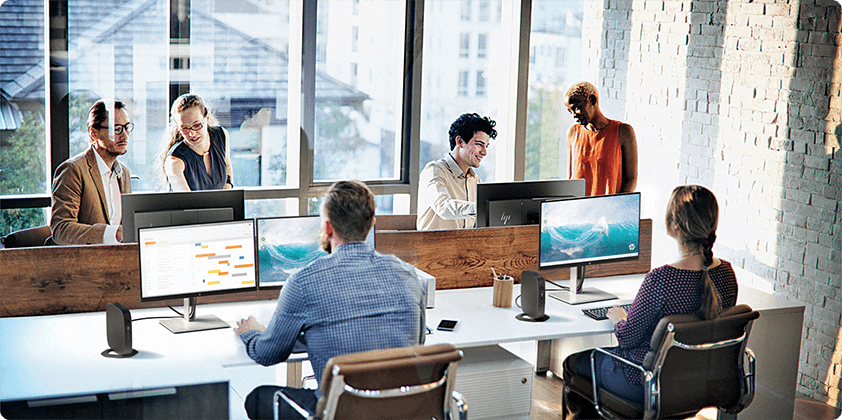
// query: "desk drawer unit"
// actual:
[[496, 384]]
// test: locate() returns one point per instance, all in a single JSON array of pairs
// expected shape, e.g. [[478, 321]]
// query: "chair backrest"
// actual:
[[433, 367], [709, 375], [36, 236]]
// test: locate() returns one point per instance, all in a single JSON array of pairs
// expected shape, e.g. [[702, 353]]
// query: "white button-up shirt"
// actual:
[[111, 185], [447, 197]]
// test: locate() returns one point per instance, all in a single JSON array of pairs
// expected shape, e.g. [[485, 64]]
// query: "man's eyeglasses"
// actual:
[[119, 128], [195, 127]]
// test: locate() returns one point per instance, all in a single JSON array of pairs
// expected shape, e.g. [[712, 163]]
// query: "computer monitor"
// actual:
[[196, 260], [179, 208], [517, 203], [287, 244], [589, 230]]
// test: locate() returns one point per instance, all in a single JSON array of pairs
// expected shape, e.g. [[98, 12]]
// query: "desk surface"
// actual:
[[52, 356], [59, 355]]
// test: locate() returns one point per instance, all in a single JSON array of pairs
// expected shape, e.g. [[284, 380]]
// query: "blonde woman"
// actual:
[[197, 154]]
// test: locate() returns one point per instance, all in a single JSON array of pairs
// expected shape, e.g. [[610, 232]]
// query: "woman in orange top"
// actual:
[[601, 151]]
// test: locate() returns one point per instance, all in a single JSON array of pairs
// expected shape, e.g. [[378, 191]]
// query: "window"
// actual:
[[357, 120], [344, 113], [23, 145], [466, 10], [547, 118], [463, 83], [441, 105], [464, 45], [480, 84], [484, 10]]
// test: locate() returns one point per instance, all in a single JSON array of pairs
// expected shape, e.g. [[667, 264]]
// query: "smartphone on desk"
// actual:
[[446, 325]]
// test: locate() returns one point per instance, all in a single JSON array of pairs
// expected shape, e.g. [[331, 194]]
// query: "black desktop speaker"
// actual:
[[118, 322], [532, 297]]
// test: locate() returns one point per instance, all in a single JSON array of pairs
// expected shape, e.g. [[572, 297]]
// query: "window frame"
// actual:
[[306, 18]]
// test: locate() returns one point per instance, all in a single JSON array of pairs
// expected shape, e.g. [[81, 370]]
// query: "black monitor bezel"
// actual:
[[516, 190], [257, 243], [542, 266], [200, 294], [144, 202]]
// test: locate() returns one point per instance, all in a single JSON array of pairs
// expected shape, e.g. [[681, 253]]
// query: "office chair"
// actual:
[[37, 236], [691, 365], [403, 383]]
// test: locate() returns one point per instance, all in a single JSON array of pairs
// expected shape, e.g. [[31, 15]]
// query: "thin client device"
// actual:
[[578, 232], [118, 323], [196, 260], [288, 244], [532, 297]]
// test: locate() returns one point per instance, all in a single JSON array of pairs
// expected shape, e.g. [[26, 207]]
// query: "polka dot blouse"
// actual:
[[666, 291]]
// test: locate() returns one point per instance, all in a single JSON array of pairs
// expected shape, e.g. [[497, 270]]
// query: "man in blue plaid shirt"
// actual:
[[354, 299]]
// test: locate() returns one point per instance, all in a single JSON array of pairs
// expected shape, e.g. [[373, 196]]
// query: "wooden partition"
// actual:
[[464, 258], [70, 279]]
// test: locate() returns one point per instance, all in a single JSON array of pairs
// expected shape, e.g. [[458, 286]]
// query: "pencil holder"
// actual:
[[503, 291]]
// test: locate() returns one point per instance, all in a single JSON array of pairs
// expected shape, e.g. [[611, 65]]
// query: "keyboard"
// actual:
[[599, 313]]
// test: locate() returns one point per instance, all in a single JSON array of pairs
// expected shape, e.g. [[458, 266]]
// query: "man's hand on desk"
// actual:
[[249, 324]]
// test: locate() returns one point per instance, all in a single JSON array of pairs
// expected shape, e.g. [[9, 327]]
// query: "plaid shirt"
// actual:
[[353, 300]]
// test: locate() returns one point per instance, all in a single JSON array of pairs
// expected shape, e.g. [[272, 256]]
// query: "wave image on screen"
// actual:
[[589, 229], [286, 245]]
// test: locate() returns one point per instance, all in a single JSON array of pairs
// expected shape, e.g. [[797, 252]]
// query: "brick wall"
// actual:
[[744, 97]]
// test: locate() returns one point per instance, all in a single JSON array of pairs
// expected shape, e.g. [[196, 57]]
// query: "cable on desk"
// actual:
[[561, 286]]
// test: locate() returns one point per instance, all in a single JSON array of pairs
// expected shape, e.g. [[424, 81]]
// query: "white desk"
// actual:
[[775, 337], [59, 356]]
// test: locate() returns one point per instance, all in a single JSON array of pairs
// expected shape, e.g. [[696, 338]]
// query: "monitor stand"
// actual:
[[190, 322], [578, 295]]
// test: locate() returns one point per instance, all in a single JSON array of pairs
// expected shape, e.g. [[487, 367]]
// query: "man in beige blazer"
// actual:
[[87, 187]]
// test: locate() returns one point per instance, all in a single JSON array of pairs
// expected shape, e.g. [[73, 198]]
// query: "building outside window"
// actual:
[[482, 45], [464, 45]]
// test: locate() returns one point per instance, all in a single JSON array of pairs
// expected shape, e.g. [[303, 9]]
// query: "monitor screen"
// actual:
[[518, 203], [588, 230], [141, 210], [287, 244], [197, 260]]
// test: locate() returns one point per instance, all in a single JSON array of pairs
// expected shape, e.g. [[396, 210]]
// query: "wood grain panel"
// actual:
[[71, 279], [464, 258]]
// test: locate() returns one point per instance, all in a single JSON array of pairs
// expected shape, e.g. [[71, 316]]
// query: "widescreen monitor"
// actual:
[[196, 260], [577, 232], [287, 244], [517, 203], [142, 210]]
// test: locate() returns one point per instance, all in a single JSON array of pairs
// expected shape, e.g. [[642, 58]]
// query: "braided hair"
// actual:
[[693, 214]]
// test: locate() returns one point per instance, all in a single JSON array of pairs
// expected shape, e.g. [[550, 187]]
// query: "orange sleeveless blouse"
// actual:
[[598, 159]]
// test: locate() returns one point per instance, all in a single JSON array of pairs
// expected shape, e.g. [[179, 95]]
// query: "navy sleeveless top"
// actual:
[[194, 164]]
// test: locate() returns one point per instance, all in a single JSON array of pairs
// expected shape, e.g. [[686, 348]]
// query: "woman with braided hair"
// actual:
[[696, 283]]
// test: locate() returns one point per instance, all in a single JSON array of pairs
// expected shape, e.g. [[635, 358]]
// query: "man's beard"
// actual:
[[324, 241]]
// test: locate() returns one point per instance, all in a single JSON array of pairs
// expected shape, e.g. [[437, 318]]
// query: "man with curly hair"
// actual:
[[447, 188], [603, 152]]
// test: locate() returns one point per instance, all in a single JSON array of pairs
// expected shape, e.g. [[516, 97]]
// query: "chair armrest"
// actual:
[[461, 405], [593, 371], [746, 385], [279, 395]]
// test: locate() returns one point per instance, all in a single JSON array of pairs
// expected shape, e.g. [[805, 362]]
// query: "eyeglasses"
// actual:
[[119, 128], [195, 127]]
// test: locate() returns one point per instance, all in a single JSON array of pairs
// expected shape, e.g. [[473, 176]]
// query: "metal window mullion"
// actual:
[[413, 59], [56, 85], [308, 103], [522, 102]]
